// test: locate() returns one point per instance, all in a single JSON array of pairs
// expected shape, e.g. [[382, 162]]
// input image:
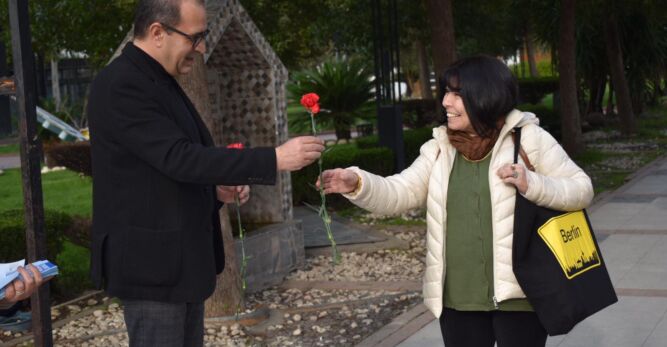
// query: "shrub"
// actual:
[[12, 234], [418, 113], [549, 120], [72, 155], [345, 90], [375, 160], [413, 139], [533, 90]]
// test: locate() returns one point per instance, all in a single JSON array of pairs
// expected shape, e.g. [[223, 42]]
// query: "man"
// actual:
[[156, 240], [20, 289]]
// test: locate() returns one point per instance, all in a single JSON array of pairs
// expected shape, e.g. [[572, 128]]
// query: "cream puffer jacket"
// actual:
[[557, 183]]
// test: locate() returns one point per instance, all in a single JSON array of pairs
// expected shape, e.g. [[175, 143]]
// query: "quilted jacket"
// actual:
[[557, 183]]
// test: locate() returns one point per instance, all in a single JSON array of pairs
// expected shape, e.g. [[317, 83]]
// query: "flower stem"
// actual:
[[324, 214], [244, 260]]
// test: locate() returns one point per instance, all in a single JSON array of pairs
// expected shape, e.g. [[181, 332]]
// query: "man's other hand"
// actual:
[[226, 194]]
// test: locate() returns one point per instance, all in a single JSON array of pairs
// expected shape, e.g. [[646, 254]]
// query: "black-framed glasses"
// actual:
[[196, 39]]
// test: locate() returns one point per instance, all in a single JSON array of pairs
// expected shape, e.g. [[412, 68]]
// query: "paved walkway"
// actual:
[[631, 226], [9, 162]]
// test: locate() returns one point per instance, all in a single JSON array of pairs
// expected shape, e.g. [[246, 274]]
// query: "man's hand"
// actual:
[[298, 152], [21, 289], [226, 194], [338, 181]]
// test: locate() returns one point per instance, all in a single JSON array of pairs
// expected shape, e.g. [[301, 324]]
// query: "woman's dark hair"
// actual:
[[161, 11], [487, 86]]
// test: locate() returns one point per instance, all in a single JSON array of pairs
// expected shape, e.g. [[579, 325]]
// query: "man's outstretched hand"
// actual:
[[298, 152]]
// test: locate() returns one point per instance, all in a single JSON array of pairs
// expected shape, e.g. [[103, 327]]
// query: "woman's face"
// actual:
[[457, 117]]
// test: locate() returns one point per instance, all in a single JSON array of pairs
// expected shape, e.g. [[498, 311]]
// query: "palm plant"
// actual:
[[345, 89]]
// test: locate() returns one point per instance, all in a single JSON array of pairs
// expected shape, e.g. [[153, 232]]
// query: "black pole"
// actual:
[[387, 72], [377, 39], [31, 153]]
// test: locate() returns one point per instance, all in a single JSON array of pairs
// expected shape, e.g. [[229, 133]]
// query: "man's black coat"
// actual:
[[156, 230]]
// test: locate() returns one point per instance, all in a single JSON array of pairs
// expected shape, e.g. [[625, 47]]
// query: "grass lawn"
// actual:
[[64, 191], [9, 149]]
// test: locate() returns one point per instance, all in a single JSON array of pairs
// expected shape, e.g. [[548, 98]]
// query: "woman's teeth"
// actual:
[[450, 115]]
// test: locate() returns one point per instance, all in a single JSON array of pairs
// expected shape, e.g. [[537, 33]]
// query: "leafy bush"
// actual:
[[72, 155], [375, 160], [12, 234], [413, 139], [533, 90], [344, 87], [549, 120], [418, 113], [73, 260]]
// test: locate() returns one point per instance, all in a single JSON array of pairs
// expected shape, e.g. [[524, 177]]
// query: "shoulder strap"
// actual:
[[518, 150]]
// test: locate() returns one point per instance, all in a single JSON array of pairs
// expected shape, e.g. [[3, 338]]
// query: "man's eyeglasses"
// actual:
[[196, 39]]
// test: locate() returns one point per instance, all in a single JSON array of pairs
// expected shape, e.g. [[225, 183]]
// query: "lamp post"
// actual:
[[31, 154], [387, 78]]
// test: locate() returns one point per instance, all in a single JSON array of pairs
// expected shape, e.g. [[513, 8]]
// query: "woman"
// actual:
[[466, 179]]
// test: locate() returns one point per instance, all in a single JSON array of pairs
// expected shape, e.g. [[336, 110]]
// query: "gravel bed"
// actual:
[[313, 317]]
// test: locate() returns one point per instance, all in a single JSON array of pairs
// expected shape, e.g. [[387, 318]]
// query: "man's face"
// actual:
[[179, 53]]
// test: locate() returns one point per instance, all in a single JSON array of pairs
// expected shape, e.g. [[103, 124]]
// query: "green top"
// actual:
[[469, 241]]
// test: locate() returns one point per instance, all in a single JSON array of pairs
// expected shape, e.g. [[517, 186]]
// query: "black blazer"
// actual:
[[156, 229]]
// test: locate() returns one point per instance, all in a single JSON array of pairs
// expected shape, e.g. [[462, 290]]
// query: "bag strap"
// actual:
[[518, 150]]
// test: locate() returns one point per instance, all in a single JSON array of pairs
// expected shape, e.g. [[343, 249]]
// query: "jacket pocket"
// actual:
[[151, 257]]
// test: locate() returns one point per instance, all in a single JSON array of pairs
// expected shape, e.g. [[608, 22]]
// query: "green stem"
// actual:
[[324, 214], [244, 260]]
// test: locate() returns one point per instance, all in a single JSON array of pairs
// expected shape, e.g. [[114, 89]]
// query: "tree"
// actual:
[[615, 56], [441, 21], [228, 295], [569, 105]]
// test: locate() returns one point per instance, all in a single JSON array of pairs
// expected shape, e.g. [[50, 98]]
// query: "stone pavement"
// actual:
[[9, 162], [631, 226]]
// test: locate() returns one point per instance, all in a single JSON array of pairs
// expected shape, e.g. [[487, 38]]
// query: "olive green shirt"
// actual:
[[469, 241]]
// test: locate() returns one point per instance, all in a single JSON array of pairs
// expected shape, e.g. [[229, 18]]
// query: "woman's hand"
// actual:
[[226, 194], [338, 181], [514, 174], [23, 288]]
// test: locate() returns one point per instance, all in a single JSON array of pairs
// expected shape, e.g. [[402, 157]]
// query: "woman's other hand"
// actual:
[[338, 181], [514, 174]]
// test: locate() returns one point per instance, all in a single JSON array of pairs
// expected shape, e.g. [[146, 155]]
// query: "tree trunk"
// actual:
[[442, 36], [55, 84], [424, 71], [569, 105], [615, 56], [227, 296], [530, 51]]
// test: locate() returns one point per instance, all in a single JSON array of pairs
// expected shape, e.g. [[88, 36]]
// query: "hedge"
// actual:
[[549, 120], [413, 139], [12, 234], [375, 160], [74, 156], [533, 90]]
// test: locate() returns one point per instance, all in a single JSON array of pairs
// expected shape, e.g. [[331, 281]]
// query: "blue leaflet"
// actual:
[[45, 267]]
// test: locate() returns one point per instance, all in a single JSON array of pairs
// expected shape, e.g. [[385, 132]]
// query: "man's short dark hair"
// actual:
[[162, 11], [488, 88]]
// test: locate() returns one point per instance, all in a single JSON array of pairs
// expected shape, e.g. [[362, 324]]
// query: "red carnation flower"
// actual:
[[310, 102], [237, 145]]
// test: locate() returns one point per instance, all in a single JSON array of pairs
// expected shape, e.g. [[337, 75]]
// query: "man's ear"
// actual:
[[156, 34]]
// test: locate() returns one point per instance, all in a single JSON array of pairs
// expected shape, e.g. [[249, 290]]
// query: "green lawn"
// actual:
[[9, 149], [64, 191]]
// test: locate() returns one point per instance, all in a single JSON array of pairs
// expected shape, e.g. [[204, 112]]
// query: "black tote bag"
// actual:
[[558, 263]]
